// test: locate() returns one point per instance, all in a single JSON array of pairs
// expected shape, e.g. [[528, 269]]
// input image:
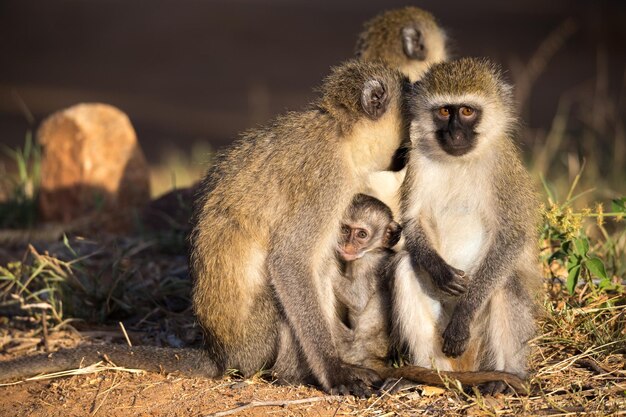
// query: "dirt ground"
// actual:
[[578, 363], [563, 388]]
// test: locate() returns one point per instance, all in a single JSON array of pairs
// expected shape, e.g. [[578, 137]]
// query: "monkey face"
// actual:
[[455, 127], [354, 242], [460, 109]]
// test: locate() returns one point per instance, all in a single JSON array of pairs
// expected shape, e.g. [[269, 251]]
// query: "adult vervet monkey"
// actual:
[[267, 222], [467, 203]]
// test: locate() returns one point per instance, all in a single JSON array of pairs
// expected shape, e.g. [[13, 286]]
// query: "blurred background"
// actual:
[[192, 74]]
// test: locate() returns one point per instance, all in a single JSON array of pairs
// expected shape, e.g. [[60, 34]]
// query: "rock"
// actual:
[[91, 163]]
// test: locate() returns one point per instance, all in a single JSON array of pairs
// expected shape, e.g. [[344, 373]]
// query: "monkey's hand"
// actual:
[[456, 336], [352, 379], [448, 279]]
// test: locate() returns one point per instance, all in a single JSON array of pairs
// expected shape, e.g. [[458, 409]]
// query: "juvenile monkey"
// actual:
[[410, 40], [267, 222], [467, 203], [368, 232]]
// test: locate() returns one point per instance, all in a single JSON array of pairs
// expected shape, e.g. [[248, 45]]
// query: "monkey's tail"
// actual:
[[189, 362], [422, 375]]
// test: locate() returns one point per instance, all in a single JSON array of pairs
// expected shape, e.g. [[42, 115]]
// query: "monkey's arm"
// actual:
[[349, 293], [190, 362], [355, 293], [447, 278], [496, 266], [294, 277]]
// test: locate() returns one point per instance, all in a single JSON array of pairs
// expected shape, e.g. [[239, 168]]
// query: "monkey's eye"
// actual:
[[467, 111], [444, 112], [345, 230], [362, 234]]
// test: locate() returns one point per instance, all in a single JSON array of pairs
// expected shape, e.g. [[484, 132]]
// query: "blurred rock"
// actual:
[[91, 163]]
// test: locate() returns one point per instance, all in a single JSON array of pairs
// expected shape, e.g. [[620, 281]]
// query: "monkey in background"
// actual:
[[410, 40], [467, 203], [368, 232]]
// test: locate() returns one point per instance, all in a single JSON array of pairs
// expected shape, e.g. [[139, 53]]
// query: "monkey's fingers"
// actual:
[[459, 272], [455, 289], [356, 380]]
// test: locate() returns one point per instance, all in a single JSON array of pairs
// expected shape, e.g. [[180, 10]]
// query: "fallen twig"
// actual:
[[280, 403]]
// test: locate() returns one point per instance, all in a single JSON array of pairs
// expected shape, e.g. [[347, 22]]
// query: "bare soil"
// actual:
[[563, 388]]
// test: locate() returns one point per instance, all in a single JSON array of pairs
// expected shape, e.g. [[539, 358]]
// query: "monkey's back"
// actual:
[[256, 188]]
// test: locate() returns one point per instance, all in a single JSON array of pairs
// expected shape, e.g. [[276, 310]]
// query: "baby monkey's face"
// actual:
[[355, 241]]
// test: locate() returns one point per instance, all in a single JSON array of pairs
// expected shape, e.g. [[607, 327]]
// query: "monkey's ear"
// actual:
[[413, 43], [374, 98], [393, 233]]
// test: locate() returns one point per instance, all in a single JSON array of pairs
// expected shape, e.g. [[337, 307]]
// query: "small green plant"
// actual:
[[19, 208], [567, 243]]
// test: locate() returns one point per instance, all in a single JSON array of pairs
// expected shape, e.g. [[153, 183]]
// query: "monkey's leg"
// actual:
[[509, 326], [258, 349], [290, 367], [416, 315]]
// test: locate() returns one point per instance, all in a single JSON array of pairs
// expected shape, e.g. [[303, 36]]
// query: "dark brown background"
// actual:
[[188, 71]]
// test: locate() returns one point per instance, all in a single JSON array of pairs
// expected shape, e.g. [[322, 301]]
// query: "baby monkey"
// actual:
[[368, 232]]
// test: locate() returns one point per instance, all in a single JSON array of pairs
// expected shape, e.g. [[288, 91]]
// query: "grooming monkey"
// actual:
[[410, 40], [467, 203], [368, 232], [267, 223]]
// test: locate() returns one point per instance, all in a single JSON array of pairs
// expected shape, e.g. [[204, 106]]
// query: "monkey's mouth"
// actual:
[[457, 150], [348, 257]]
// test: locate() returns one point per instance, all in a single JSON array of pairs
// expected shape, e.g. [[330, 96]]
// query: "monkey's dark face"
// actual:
[[455, 128]]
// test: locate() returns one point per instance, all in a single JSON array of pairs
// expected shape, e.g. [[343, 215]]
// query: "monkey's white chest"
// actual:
[[451, 205]]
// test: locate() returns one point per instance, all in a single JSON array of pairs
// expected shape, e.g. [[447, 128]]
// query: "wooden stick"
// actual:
[[279, 403], [125, 334]]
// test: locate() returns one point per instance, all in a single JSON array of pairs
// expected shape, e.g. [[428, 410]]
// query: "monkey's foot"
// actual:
[[355, 380]]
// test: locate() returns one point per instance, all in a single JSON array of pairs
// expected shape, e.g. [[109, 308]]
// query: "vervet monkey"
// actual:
[[368, 232], [408, 39], [267, 222], [467, 203]]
